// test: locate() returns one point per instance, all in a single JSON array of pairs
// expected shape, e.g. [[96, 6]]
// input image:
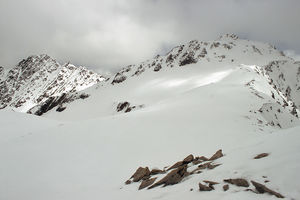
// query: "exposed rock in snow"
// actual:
[[261, 155], [204, 187], [147, 182], [141, 173], [238, 182], [217, 155], [173, 177], [262, 189], [225, 187]]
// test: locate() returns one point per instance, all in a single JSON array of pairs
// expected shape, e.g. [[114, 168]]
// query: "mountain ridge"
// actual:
[[227, 50], [39, 77]]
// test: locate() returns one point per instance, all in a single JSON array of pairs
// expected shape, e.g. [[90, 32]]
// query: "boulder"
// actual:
[[262, 155], [225, 187], [140, 174], [217, 155], [204, 187], [262, 189], [173, 177], [146, 183], [238, 182]]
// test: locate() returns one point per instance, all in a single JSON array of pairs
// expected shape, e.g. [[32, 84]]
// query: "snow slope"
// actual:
[[93, 158], [89, 150]]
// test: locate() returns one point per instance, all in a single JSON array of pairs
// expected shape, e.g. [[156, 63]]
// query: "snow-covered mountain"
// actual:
[[39, 79], [232, 94], [190, 66]]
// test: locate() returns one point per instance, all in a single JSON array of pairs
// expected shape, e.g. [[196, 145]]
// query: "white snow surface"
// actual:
[[89, 150]]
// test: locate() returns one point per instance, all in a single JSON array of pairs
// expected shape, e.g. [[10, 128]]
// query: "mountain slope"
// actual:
[[185, 67], [155, 118], [35, 79]]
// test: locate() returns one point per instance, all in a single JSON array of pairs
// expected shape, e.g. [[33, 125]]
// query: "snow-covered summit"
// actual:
[[227, 49], [39, 77]]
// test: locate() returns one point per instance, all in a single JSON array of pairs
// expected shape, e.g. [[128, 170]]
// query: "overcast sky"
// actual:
[[109, 34]]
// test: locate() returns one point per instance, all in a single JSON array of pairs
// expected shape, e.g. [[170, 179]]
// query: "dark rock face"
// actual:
[[173, 177], [140, 174], [262, 189], [238, 182], [58, 102], [50, 103]]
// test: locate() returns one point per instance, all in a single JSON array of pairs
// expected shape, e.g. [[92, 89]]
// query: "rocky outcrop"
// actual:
[[186, 168], [263, 189], [58, 102], [178, 172]]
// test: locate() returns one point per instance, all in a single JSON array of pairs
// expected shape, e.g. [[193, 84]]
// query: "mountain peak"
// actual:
[[40, 77]]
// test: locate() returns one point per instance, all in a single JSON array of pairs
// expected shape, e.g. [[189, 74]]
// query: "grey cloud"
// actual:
[[109, 34]]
